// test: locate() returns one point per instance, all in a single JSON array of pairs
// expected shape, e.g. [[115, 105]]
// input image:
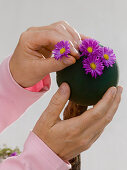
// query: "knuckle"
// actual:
[[108, 119], [55, 101], [23, 36], [53, 36], [63, 22], [107, 101], [30, 28], [72, 133], [68, 134], [58, 27], [75, 132], [24, 39], [88, 146], [84, 143], [50, 34], [110, 97], [96, 114]]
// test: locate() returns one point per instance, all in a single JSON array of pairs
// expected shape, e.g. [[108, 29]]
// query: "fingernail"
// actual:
[[68, 61], [120, 89], [63, 88], [76, 51], [113, 91]]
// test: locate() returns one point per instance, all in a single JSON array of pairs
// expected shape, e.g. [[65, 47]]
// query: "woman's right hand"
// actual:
[[32, 61], [68, 138]]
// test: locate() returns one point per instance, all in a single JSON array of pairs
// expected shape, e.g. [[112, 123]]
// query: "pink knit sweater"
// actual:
[[14, 100]]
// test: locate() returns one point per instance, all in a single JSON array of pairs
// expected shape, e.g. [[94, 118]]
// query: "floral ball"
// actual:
[[91, 76]]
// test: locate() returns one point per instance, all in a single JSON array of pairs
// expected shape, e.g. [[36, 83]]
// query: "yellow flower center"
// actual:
[[90, 49], [106, 57], [93, 66], [62, 50]]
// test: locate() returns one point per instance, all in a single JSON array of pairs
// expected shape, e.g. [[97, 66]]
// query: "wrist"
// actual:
[[19, 75], [14, 70]]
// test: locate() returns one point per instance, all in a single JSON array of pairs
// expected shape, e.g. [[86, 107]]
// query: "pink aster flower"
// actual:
[[108, 57], [93, 65], [62, 48], [90, 47]]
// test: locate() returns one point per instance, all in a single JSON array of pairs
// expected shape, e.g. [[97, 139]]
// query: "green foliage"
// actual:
[[5, 152]]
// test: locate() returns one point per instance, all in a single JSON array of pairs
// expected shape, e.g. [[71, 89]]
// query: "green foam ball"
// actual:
[[85, 89]]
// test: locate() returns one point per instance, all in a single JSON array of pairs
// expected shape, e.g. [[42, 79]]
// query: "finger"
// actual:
[[64, 32], [73, 48], [102, 123], [49, 65], [112, 110], [57, 103], [44, 53], [99, 110], [46, 38], [72, 31], [106, 101], [94, 138]]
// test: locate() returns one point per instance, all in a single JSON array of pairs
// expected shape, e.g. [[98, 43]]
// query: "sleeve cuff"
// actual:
[[45, 154], [18, 92], [42, 85]]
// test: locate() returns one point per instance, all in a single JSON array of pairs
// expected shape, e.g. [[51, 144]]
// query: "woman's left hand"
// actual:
[[32, 60]]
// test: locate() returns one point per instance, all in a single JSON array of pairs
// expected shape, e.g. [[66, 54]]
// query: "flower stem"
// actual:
[[73, 110]]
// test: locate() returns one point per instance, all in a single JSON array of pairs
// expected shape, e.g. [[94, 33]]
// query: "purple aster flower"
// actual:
[[13, 154], [93, 65], [108, 57], [62, 48], [90, 47]]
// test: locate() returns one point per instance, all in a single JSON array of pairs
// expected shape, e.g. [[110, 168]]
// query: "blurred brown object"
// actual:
[[70, 111]]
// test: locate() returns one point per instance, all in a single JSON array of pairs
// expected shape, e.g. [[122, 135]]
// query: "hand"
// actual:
[[32, 60], [68, 138]]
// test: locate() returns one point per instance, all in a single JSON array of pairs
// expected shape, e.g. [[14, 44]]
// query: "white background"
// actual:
[[104, 20]]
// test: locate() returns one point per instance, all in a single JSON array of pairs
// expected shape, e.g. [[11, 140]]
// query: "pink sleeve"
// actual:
[[36, 156], [14, 100]]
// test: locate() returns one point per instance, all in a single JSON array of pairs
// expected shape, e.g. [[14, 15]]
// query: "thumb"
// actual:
[[57, 103], [49, 65]]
